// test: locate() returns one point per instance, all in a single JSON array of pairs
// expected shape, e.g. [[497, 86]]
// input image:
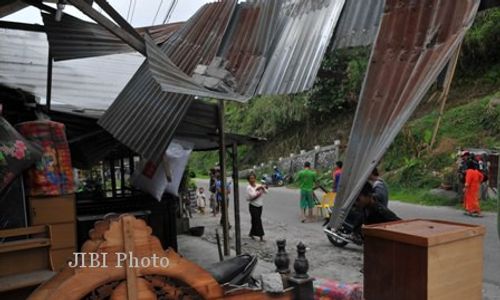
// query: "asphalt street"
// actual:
[[281, 220]]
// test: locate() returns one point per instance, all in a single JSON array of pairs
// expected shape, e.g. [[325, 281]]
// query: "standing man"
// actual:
[[307, 179], [336, 173], [380, 191]]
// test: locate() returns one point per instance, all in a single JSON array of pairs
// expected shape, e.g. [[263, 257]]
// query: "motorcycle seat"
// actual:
[[233, 270]]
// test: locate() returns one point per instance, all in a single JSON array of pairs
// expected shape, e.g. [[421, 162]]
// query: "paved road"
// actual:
[[281, 219]]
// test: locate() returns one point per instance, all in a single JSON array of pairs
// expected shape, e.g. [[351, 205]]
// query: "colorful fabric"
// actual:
[[306, 179], [306, 199], [473, 180], [52, 175], [325, 289], [16, 154]]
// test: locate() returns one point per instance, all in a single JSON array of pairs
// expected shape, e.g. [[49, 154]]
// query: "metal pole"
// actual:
[[222, 163], [236, 193], [49, 80], [498, 197]]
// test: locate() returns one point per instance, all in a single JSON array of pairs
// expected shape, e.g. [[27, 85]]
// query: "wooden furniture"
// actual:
[[160, 216], [423, 259], [24, 258], [180, 279], [58, 212]]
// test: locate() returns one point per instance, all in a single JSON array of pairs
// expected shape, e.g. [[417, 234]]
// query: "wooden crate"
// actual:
[[423, 259], [58, 212], [52, 210]]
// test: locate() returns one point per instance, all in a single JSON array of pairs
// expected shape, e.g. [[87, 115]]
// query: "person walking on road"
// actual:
[[255, 196], [473, 180], [307, 179]]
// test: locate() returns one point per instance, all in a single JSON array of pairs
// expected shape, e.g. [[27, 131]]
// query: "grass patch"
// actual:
[[423, 197]]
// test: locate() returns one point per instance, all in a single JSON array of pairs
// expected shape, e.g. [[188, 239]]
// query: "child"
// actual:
[[201, 200]]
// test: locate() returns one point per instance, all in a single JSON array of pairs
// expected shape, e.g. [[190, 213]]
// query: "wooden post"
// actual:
[[236, 195], [301, 281], [49, 81], [222, 163], [128, 243], [452, 65], [113, 177], [122, 177]]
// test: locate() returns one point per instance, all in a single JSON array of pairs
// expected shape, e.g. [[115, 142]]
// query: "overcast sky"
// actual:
[[142, 15]]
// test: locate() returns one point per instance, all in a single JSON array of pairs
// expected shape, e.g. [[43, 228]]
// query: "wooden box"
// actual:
[[52, 210], [423, 259], [59, 213]]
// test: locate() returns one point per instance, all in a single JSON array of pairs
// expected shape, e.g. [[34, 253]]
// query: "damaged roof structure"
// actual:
[[235, 51], [259, 47]]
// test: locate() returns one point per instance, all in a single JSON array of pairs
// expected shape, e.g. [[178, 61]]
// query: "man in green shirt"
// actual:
[[307, 179]]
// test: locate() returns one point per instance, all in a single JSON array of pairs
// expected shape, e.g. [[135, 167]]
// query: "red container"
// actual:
[[53, 174]]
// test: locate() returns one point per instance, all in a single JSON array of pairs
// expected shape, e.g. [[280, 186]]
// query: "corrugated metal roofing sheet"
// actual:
[[72, 38], [415, 42], [89, 83], [89, 143], [303, 33], [143, 117], [270, 47], [358, 23]]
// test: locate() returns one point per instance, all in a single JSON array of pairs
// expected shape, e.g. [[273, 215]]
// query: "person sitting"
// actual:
[[277, 174], [373, 211], [380, 191]]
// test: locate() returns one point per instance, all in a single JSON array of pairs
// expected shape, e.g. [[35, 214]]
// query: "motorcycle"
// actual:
[[347, 233], [234, 271], [277, 179]]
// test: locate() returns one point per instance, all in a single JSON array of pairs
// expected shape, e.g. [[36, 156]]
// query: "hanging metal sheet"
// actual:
[[415, 42], [358, 23], [173, 79], [270, 47], [304, 32], [72, 38], [143, 117], [23, 57]]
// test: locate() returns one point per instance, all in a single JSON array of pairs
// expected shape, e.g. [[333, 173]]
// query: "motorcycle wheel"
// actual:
[[336, 242], [280, 183]]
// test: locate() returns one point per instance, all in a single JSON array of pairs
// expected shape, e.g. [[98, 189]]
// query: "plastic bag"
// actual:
[[176, 158]]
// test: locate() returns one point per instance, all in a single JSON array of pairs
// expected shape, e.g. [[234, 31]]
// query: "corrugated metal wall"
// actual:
[[358, 24], [415, 42]]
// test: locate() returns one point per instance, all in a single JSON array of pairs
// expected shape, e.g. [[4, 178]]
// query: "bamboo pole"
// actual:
[[452, 65], [222, 163], [236, 191]]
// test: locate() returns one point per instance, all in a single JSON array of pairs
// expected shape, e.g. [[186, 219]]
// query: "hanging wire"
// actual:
[[133, 11], [169, 12], [129, 7], [157, 11]]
